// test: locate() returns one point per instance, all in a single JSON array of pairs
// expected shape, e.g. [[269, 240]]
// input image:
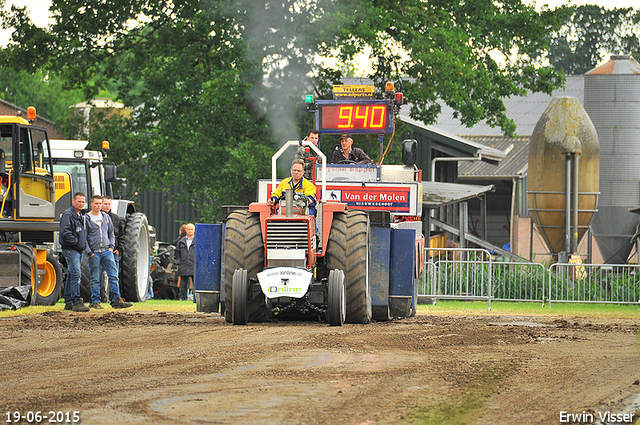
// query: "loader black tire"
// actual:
[[50, 288], [234, 238], [164, 291], [254, 263], [28, 266], [336, 256], [135, 259], [358, 287], [85, 282]]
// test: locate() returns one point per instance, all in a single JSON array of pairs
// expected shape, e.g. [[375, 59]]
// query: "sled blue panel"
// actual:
[[206, 279], [401, 277], [379, 260], [208, 256]]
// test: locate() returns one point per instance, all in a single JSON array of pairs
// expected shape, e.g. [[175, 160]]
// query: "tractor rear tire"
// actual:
[[254, 264], [233, 256], [358, 288], [135, 259], [49, 290], [336, 256], [336, 300], [240, 296]]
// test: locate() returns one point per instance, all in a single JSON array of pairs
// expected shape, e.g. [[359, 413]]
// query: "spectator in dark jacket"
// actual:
[[181, 232], [73, 239], [346, 152], [185, 254]]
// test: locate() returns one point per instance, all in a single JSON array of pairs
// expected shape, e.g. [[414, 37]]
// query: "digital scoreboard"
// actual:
[[354, 116]]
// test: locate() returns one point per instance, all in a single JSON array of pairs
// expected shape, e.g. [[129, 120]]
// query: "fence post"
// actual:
[[490, 284], [550, 273]]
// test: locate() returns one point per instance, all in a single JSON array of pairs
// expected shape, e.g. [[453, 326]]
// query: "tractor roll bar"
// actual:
[[284, 147]]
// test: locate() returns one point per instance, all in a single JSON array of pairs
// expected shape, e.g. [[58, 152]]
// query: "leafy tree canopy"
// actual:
[[217, 84], [590, 33], [44, 90]]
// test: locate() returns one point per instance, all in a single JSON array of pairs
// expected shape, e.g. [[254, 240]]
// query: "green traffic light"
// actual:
[[308, 98]]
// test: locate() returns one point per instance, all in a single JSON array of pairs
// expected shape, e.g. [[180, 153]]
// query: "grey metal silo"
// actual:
[[612, 100]]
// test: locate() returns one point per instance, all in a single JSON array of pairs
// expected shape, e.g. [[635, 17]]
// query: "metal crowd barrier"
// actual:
[[594, 283], [474, 274], [457, 273]]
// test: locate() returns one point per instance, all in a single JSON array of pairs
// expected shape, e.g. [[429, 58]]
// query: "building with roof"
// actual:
[[611, 96], [506, 220], [439, 154], [7, 108]]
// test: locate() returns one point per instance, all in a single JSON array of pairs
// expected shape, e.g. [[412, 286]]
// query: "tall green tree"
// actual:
[[470, 55], [590, 33], [216, 85]]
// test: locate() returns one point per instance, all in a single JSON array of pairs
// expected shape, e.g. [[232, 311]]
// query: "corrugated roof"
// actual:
[[465, 144], [438, 194], [525, 111], [513, 165], [617, 65]]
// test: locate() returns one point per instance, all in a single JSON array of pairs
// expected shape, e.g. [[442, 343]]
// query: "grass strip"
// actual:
[[444, 307], [621, 311], [466, 408], [149, 305]]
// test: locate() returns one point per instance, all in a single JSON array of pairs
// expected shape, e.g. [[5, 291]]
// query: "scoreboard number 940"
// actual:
[[353, 117]]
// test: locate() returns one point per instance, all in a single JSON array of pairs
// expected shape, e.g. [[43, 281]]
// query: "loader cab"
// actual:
[[78, 170], [26, 171]]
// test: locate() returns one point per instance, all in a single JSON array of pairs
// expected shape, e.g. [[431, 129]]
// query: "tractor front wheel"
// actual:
[[239, 297], [336, 301]]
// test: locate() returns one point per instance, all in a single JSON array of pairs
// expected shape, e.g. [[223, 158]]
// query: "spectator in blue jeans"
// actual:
[[101, 242], [73, 240]]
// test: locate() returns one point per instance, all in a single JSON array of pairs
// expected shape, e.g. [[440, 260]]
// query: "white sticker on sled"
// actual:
[[285, 282]]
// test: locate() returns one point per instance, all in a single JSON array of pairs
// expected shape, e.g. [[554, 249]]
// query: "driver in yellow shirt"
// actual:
[[298, 183]]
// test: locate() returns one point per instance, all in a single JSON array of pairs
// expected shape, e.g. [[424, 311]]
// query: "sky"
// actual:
[[39, 14], [40, 9]]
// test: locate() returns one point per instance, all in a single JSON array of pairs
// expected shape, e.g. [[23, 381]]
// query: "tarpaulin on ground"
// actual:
[[14, 297]]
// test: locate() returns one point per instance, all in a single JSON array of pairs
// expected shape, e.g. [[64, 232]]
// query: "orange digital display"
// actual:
[[354, 117]]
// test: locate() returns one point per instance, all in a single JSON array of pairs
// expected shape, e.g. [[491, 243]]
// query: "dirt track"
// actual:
[[164, 368]]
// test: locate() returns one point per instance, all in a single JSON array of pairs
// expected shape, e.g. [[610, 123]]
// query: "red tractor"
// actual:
[[356, 260], [282, 261]]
